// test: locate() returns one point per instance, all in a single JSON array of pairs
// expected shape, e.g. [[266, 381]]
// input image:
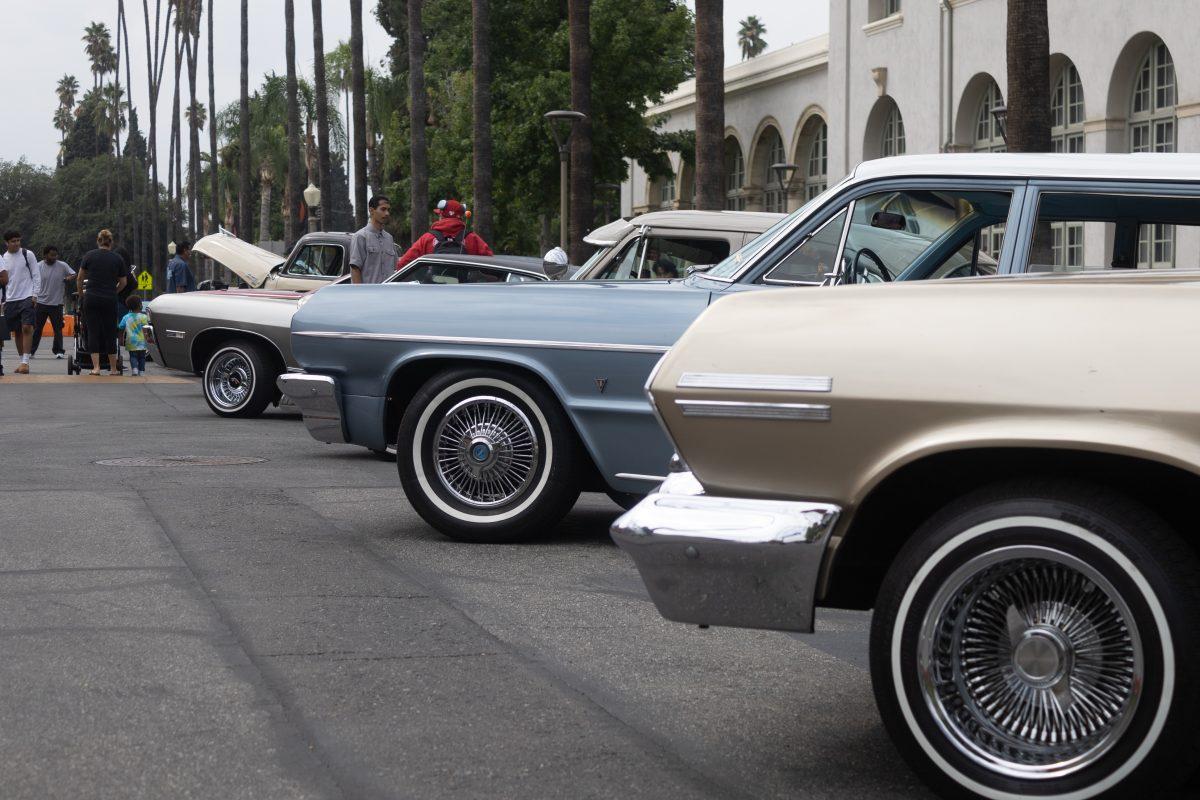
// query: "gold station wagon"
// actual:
[[1004, 468]]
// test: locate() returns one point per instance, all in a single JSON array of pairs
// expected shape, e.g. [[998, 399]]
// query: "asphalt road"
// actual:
[[290, 628]]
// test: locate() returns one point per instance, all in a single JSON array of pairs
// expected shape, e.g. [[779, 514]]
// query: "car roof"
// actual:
[[1095, 166], [739, 221]]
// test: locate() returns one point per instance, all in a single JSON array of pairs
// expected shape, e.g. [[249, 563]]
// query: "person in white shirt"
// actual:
[[22, 281], [53, 274]]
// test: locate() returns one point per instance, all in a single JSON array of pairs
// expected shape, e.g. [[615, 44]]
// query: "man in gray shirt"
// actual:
[[372, 251], [50, 298]]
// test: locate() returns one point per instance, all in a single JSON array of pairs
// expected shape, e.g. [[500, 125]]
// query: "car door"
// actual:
[[312, 265]]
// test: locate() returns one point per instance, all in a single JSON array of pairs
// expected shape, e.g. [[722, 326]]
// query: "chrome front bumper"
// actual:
[[152, 346], [320, 402], [725, 560]]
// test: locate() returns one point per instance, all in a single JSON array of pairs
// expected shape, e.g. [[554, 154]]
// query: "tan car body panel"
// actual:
[[923, 368]]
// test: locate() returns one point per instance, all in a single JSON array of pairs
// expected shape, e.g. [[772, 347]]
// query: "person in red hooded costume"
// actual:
[[448, 235]]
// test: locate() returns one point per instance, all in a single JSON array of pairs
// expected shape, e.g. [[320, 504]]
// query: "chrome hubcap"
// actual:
[[1030, 662], [230, 380], [485, 451]]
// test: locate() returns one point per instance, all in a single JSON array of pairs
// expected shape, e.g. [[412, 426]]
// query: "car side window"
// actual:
[[664, 257], [1086, 231], [890, 231], [517, 277], [317, 261]]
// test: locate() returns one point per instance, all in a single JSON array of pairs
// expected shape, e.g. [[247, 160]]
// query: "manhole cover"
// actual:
[[181, 461]]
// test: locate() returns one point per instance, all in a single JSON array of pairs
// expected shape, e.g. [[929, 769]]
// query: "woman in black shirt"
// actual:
[[106, 273]]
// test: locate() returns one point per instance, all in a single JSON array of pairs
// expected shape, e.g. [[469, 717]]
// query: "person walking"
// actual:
[[179, 273], [133, 327], [105, 274], [372, 249], [53, 274], [447, 235], [22, 281]]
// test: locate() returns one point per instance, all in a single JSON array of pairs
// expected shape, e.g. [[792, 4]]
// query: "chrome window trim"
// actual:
[[755, 382], [488, 341], [726, 409], [849, 212]]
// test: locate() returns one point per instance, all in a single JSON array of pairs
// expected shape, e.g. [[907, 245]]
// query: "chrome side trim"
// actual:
[[633, 476], [152, 346], [810, 412], [319, 401], [754, 383], [170, 334], [728, 560], [488, 341]]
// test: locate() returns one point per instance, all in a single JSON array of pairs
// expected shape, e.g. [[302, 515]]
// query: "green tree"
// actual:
[[750, 37], [643, 48]]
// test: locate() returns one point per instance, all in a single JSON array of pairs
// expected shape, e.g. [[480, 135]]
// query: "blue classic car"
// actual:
[[504, 402]]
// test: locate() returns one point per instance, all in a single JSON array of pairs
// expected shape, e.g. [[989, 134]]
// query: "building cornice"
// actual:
[[786, 62]]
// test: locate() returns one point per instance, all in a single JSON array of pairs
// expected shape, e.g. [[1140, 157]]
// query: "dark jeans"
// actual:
[[55, 315], [137, 360]]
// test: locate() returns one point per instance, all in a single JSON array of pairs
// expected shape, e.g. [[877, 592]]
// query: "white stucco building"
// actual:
[[921, 76]]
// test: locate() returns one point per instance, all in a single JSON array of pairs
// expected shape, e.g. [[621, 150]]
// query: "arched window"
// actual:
[[774, 197], [735, 175], [816, 169], [1066, 112], [893, 133], [1152, 130], [666, 192], [988, 138], [1066, 136]]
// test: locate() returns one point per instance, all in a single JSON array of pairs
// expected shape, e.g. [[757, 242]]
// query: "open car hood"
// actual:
[[251, 264]]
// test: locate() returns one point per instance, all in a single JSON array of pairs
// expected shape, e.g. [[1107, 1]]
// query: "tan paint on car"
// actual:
[[926, 369]]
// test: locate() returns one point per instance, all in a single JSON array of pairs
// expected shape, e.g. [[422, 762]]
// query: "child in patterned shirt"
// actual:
[[133, 326]]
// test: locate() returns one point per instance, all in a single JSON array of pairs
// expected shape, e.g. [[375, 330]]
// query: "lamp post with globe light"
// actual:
[[561, 125], [312, 199]]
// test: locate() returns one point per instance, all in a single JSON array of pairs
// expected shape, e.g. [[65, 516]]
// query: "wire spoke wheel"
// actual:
[[230, 379], [1030, 662], [485, 451]]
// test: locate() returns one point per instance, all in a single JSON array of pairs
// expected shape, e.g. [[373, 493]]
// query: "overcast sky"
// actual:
[[43, 42]]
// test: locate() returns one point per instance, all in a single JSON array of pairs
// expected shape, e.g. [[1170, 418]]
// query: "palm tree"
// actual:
[[360, 113], [750, 37], [418, 112], [136, 239], [244, 131], [212, 129], [98, 45], [63, 119], [710, 105], [582, 211], [1028, 45], [156, 57], [324, 168], [67, 90], [481, 134], [292, 187], [175, 179], [338, 74], [191, 11]]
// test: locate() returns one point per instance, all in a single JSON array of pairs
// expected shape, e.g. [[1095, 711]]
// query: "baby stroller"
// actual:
[[81, 360]]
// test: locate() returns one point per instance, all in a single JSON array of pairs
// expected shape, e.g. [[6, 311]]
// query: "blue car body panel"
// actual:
[[592, 343]]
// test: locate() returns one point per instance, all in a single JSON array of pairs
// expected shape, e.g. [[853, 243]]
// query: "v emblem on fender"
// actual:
[[601, 384]]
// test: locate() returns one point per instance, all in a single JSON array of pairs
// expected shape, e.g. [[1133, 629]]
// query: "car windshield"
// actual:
[[596, 258], [731, 266]]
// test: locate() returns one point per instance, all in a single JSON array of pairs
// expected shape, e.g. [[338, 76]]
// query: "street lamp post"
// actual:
[[312, 198], [561, 125], [1000, 115], [783, 173]]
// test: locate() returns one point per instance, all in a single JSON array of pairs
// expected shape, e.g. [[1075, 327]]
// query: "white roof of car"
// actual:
[[739, 221], [1095, 166]]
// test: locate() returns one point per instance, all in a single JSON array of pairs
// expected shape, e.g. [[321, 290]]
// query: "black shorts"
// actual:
[[100, 321], [18, 313]]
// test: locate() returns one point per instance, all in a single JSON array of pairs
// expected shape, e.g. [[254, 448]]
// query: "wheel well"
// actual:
[[407, 380], [894, 509], [208, 341]]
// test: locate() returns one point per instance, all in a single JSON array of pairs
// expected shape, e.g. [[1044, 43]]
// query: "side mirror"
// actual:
[[554, 271], [888, 221]]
